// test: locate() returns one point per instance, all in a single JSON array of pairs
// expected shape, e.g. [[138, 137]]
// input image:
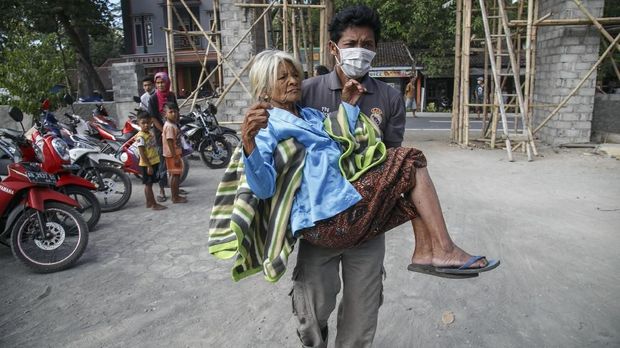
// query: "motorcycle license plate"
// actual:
[[41, 178]]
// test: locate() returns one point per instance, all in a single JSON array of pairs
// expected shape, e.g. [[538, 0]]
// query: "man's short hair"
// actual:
[[355, 16], [148, 78], [143, 115], [171, 106]]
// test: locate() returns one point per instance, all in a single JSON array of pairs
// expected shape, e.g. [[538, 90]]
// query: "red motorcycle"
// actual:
[[41, 225], [53, 154]]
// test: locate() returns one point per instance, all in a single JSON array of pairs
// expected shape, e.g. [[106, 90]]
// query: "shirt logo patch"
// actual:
[[376, 115]]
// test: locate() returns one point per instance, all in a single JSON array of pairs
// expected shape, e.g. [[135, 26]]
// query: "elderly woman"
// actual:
[[328, 210], [156, 105]]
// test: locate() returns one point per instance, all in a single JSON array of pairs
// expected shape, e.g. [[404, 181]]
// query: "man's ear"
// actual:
[[333, 49]]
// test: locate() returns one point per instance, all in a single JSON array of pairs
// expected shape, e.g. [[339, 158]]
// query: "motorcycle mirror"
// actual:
[[137, 99], [16, 114], [68, 99]]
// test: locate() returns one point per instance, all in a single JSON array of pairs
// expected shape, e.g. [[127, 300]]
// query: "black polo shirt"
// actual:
[[382, 103]]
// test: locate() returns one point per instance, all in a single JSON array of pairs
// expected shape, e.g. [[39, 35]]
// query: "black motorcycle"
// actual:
[[214, 143]]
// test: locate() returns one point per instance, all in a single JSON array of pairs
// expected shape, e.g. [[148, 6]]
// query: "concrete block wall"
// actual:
[[564, 55], [235, 22], [127, 82], [606, 118]]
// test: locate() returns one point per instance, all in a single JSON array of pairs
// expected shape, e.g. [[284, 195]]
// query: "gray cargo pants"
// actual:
[[316, 282]]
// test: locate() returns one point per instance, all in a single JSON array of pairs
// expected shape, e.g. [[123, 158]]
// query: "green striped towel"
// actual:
[[256, 232], [361, 150]]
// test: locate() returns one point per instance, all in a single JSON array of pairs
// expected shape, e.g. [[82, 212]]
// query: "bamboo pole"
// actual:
[[487, 31], [285, 26], [322, 26], [170, 51], [266, 32], [291, 6], [294, 35], [310, 34], [583, 80], [498, 62], [562, 22], [304, 40], [218, 40], [464, 121], [456, 97]]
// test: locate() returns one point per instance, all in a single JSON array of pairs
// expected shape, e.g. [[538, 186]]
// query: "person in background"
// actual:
[[479, 95], [410, 103], [148, 85], [171, 138], [149, 158], [157, 101], [320, 70]]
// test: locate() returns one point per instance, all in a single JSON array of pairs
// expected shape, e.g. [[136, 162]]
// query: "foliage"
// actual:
[[31, 66], [79, 21], [106, 46]]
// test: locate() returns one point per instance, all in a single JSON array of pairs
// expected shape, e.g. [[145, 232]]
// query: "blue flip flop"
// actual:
[[465, 268], [431, 270]]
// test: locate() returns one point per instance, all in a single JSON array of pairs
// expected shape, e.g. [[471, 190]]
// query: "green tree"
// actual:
[[79, 21], [31, 66]]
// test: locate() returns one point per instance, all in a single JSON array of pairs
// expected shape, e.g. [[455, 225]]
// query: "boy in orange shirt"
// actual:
[[171, 141], [149, 159]]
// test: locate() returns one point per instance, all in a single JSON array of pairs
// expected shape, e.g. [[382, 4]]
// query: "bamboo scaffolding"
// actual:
[[213, 37]]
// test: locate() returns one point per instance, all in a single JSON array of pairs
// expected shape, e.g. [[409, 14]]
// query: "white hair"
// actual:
[[265, 70]]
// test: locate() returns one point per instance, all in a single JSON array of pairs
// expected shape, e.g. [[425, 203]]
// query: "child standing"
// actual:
[[149, 159], [171, 139]]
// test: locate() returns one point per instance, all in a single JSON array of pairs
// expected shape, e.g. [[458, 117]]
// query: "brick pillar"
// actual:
[[126, 83], [564, 55], [235, 21]]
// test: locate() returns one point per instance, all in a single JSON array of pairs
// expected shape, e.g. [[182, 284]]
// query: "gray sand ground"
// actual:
[[147, 280]]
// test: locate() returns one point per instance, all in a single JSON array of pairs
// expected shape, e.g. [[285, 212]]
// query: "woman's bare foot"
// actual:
[[158, 207], [179, 199], [455, 257]]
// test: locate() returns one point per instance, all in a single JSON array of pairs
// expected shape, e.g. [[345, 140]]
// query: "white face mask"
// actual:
[[354, 62]]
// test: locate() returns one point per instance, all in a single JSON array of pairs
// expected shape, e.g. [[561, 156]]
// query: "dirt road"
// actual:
[[146, 279]]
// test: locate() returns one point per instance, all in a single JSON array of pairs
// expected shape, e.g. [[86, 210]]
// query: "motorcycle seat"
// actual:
[[11, 133]]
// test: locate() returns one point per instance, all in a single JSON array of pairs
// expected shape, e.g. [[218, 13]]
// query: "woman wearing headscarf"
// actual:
[[157, 101]]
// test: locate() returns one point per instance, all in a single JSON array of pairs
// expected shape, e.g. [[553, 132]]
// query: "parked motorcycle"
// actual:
[[41, 225], [53, 154], [214, 143], [103, 170]]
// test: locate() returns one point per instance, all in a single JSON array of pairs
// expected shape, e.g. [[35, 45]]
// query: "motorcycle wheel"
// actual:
[[232, 138], [215, 152], [116, 189], [89, 205], [185, 164], [69, 237]]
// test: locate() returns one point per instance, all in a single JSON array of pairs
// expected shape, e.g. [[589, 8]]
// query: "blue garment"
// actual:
[[324, 192]]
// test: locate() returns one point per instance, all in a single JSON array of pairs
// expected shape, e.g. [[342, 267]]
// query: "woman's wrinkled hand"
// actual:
[[352, 91], [256, 118]]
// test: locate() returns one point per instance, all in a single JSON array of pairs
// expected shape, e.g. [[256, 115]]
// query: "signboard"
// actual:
[[390, 73]]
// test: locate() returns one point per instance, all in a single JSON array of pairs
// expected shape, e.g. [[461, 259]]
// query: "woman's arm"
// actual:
[[259, 141]]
